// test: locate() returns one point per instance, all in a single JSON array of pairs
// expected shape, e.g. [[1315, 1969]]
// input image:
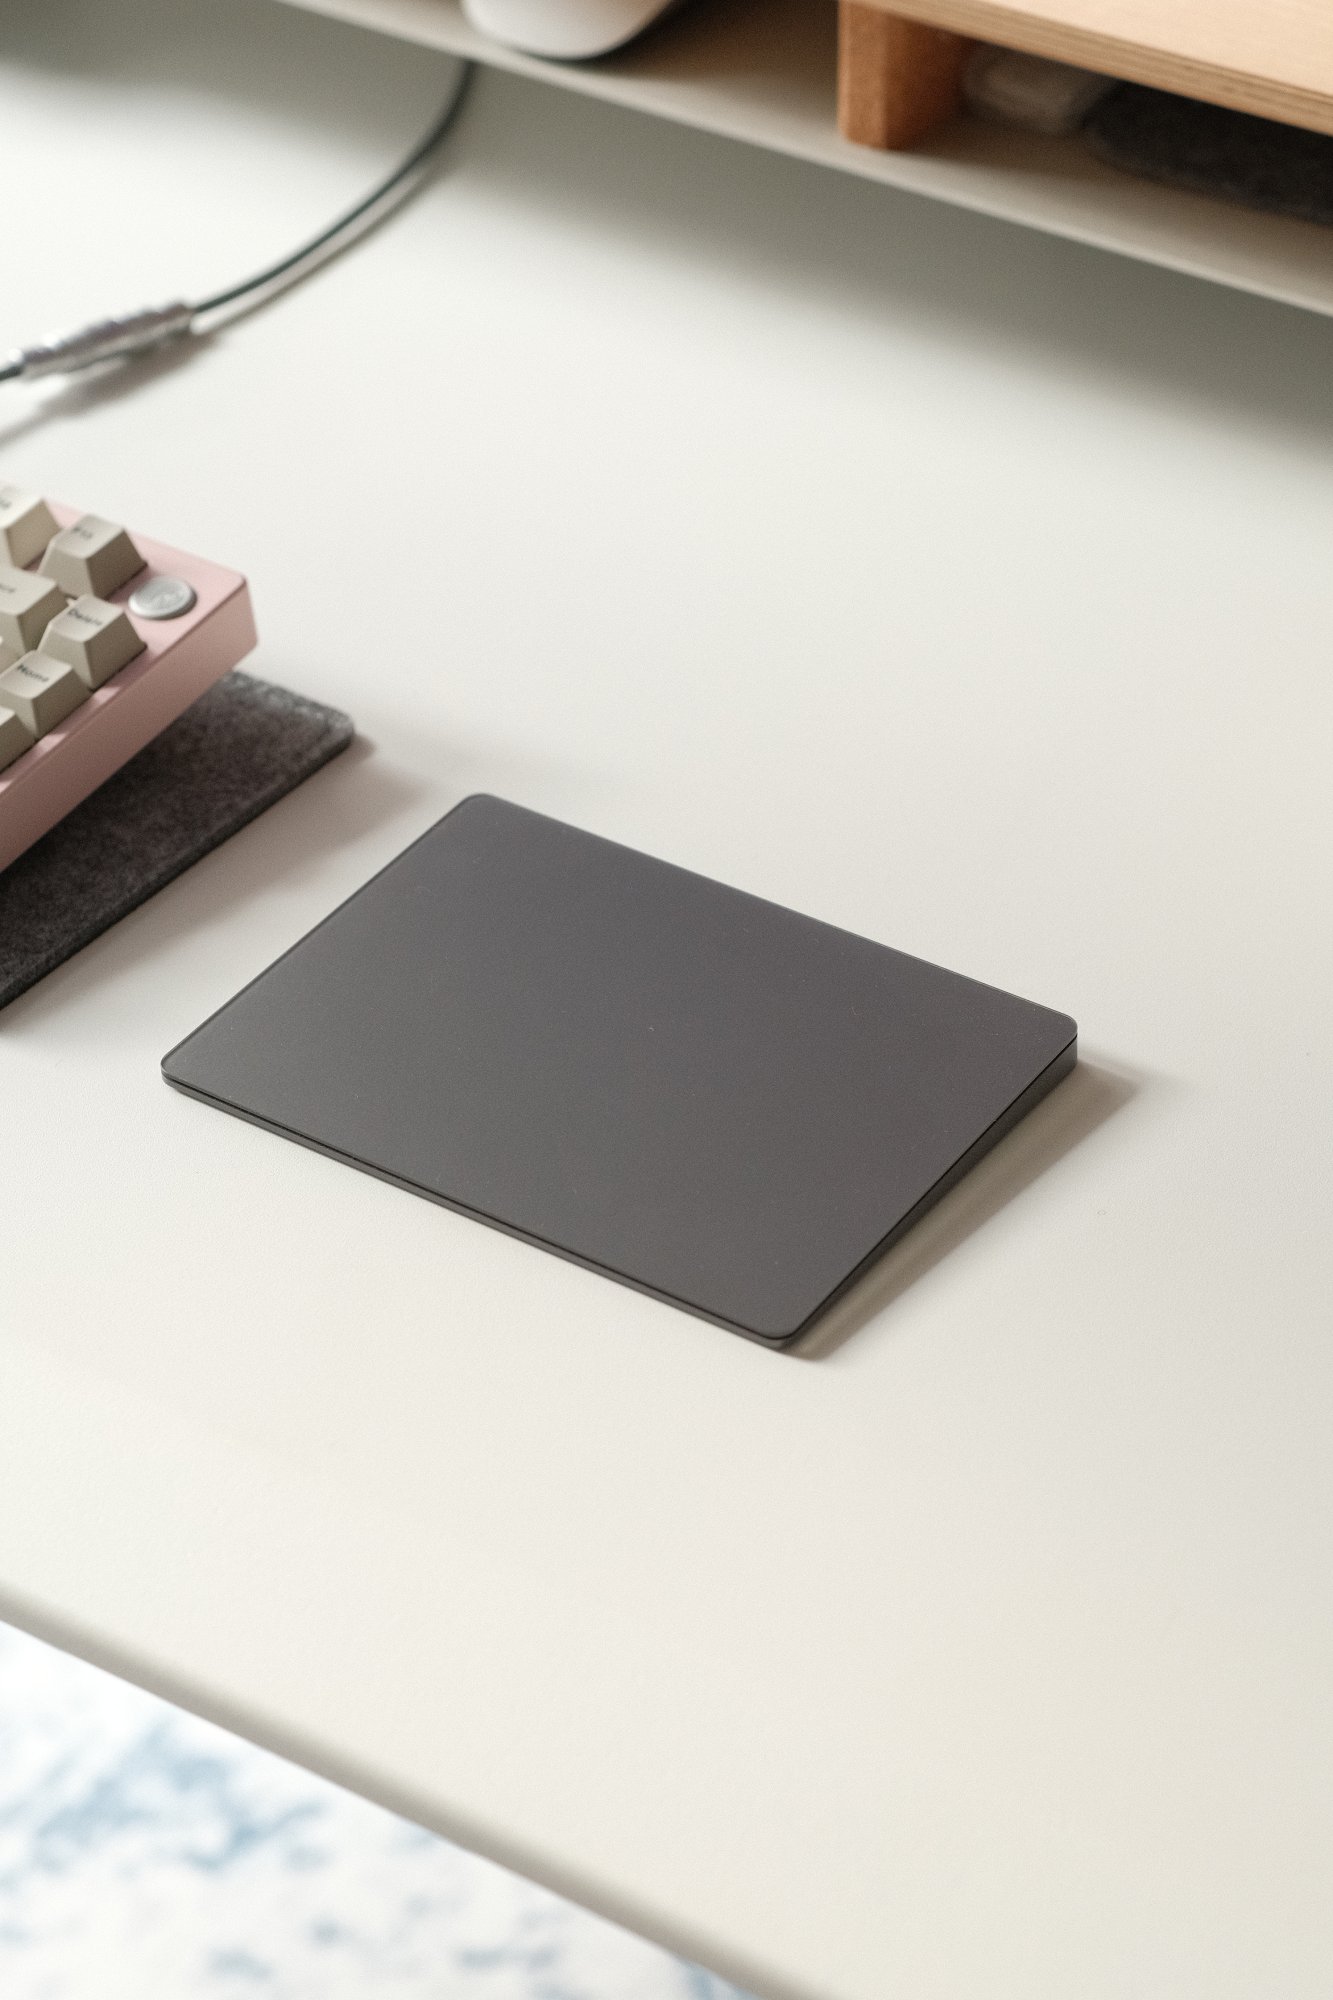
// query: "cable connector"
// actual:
[[139, 332], [104, 340]]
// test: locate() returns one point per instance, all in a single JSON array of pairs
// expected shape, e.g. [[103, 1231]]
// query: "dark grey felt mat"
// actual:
[[236, 751], [1201, 146]]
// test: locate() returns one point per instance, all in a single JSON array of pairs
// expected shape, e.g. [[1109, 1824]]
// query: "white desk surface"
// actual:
[[961, 587]]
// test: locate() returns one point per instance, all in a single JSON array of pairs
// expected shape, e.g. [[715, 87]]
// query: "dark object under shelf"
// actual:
[[1278, 168]]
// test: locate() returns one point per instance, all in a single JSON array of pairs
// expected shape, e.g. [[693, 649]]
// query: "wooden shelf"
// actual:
[[1270, 57], [765, 71]]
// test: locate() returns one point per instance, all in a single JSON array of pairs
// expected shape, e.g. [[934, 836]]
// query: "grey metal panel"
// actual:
[[702, 1094]]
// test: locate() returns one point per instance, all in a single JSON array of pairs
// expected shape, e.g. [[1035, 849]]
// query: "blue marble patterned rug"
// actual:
[[145, 1855]]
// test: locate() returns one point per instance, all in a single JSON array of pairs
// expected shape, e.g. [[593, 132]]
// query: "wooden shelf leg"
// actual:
[[896, 78]]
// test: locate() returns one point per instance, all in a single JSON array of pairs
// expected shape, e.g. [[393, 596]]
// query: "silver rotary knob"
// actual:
[[163, 597]]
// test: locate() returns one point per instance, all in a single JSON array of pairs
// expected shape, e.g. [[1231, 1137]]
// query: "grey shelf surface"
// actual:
[[763, 71]]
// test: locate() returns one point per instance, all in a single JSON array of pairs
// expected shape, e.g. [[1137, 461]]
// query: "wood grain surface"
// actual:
[[1271, 57]]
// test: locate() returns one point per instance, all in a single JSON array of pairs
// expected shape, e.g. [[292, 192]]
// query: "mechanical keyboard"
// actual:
[[105, 638]]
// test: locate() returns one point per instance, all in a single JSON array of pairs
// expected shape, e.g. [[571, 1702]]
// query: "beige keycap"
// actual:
[[92, 558], [28, 603], [41, 692], [15, 737], [26, 526], [94, 638]]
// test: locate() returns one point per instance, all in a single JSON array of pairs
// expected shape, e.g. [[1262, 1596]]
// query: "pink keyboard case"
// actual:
[[183, 656]]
